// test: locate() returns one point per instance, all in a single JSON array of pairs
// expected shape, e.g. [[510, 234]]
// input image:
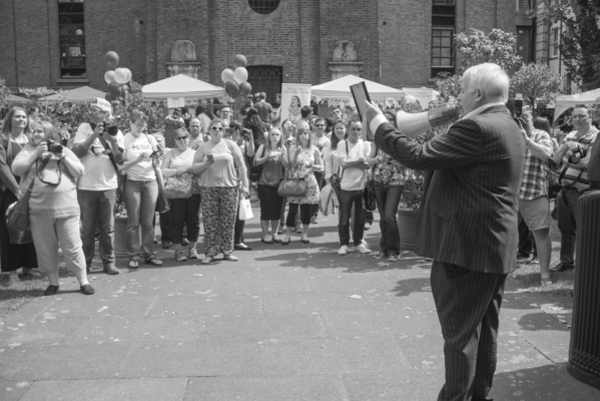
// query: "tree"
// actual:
[[536, 82], [475, 47], [579, 36], [4, 94]]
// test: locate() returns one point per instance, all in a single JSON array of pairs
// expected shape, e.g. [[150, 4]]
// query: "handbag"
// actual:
[[369, 196], [256, 171], [179, 187], [292, 187], [246, 209], [17, 219]]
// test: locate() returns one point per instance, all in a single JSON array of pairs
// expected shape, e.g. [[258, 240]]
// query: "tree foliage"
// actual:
[[475, 47], [4, 93], [579, 36], [536, 82]]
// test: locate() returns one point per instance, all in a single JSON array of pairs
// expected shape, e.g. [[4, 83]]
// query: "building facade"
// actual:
[[61, 44]]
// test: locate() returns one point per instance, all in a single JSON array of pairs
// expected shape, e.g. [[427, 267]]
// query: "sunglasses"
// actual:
[[216, 128], [320, 125], [181, 138]]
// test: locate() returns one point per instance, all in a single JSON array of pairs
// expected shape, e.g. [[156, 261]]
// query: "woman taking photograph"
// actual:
[[305, 159], [218, 162], [331, 162], [177, 170], [14, 138], [53, 207], [141, 190], [388, 176], [273, 157]]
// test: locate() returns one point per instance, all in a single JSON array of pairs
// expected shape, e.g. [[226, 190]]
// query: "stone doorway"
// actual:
[[266, 78]]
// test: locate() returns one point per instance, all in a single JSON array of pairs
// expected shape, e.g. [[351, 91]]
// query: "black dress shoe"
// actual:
[[51, 290], [87, 289], [242, 247]]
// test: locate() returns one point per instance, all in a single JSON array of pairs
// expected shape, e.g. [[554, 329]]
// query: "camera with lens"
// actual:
[[54, 147], [577, 155], [111, 130]]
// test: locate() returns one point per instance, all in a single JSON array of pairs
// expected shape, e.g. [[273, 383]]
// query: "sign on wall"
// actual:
[[293, 98]]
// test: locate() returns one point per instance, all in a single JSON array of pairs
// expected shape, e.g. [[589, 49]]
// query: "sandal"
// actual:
[[207, 260], [154, 261], [133, 264]]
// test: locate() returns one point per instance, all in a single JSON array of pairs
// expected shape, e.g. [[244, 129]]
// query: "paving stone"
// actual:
[[206, 305], [194, 359], [283, 280], [108, 390], [425, 353], [364, 282], [515, 353], [49, 328], [145, 329], [553, 344], [309, 302], [266, 388], [105, 306], [386, 386], [55, 362], [13, 391]]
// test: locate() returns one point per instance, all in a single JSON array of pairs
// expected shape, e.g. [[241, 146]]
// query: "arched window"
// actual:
[[263, 6]]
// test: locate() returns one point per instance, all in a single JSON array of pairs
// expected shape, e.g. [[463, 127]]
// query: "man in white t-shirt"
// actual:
[[99, 152], [353, 154]]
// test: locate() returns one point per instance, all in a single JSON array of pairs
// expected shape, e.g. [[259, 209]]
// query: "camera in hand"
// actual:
[[54, 147], [111, 130], [578, 155]]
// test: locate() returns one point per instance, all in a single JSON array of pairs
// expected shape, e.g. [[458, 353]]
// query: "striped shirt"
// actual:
[[534, 174]]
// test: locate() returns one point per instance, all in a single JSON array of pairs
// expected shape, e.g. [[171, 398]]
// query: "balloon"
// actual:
[[227, 75], [109, 76], [109, 97], [245, 88], [114, 88], [240, 75], [129, 75], [121, 75], [240, 61], [232, 88], [112, 59]]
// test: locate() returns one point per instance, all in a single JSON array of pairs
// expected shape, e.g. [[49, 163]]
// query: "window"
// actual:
[[266, 78], [264, 6], [442, 37], [555, 42], [71, 39]]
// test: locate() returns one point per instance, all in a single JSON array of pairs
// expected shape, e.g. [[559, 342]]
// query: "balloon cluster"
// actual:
[[236, 81], [116, 78]]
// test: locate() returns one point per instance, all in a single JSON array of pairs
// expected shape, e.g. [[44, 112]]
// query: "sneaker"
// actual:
[[379, 255], [111, 270], [534, 261], [393, 258], [166, 244], [343, 250], [314, 220], [362, 249], [179, 256], [192, 253], [561, 267]]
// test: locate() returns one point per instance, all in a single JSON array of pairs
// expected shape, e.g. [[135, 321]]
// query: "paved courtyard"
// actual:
[[283, 323]]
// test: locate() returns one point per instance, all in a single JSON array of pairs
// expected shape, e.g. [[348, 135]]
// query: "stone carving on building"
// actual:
[[344, 60], [183, 59]]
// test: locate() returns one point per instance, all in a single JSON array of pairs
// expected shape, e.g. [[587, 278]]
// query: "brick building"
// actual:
[[61, 44]]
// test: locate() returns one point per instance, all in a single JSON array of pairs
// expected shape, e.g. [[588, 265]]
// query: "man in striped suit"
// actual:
[[467, 222]]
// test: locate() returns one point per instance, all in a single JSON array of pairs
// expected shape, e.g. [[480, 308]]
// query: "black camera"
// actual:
[[111, 130], [577, 155], [54, 147]]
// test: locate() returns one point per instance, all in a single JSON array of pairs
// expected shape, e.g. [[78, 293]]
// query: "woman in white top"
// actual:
[[141, 190], [177, 167]]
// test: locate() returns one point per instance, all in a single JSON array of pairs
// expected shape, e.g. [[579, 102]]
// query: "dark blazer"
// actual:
[[468, 216]]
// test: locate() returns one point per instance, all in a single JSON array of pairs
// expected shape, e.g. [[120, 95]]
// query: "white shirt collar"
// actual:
[[479, 110]]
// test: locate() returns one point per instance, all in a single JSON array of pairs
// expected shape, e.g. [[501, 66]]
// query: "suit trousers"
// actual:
[[468, 306]]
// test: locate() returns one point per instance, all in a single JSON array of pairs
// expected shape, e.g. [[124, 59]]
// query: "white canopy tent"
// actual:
[[564, 102], [181, 86], [78, 95], [339, 89]]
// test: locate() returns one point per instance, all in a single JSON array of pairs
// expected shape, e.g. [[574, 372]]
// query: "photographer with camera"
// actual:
[[574, 154], [49, 171], [99, 145]]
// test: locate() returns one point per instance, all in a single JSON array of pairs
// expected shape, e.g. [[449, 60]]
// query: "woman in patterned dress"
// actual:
[[304, 160]]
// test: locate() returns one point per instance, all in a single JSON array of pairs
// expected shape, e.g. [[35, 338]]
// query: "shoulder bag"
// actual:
[[292, 187]]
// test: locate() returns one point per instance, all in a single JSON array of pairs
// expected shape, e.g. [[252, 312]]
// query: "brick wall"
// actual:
[[8, 70]]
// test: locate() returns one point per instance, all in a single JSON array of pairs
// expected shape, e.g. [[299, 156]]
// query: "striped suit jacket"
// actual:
[[468, 216]]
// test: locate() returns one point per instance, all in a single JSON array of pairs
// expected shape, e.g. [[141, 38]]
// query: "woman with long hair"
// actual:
[[14, 137], [220, 166], [273, 157], [177, 167], [254, 123], [304, 160], [141, 190], [53, 208]]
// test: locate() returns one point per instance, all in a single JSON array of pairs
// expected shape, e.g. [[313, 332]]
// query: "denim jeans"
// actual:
[[388, 198], [184, 211], [140, 202], [347, 199], [567, 223], [97, 207]]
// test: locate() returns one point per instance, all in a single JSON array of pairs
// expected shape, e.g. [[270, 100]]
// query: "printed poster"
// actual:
[[293, 98]]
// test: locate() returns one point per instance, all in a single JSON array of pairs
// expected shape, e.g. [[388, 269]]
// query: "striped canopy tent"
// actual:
[[181, 86], [78, 95]]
